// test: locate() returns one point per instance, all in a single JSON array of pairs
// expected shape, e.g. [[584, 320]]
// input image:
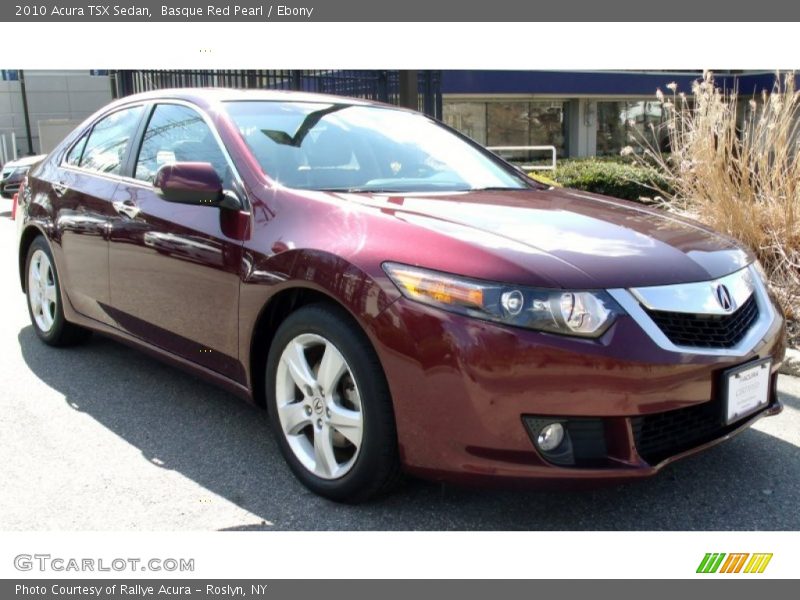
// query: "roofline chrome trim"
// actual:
[[766, 317]]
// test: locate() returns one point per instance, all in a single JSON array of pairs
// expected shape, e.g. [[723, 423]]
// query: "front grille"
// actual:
[[707, 331], [661, 435]]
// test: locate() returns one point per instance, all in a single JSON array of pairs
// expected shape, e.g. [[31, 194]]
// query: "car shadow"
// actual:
[[181, 423]]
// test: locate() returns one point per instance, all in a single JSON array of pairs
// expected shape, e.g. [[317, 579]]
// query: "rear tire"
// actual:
[[43, 291], [329, 406]]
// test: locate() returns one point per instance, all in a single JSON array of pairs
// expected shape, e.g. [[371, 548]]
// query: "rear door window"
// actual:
[[109, 139]]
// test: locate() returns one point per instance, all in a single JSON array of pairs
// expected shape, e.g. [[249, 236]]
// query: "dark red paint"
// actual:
[[197, 177], [195, 285]]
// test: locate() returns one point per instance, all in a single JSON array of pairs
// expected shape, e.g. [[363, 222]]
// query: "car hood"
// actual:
[[560, 237], [24, 162]]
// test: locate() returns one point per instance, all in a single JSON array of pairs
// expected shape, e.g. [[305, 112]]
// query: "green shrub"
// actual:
[[616, 178]]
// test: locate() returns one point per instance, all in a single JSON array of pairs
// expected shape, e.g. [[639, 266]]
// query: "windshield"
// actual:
[[340, 147]]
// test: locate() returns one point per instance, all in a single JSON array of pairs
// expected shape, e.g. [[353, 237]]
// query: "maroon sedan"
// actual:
[[398, 298]]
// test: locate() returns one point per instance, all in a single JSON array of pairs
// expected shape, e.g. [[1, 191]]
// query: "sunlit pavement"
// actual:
[[101, 437]]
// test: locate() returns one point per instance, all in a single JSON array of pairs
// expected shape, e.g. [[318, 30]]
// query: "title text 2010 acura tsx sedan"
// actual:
[[399, 298]]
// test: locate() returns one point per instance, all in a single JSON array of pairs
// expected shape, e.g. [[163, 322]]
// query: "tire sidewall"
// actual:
[[377, 431]]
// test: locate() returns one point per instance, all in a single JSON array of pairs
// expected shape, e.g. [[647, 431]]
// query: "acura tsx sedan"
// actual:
[[397, 297]]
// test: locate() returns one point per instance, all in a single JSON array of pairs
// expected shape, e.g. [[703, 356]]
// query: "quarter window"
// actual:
[[108, 142], [74, 156], [177, 133]]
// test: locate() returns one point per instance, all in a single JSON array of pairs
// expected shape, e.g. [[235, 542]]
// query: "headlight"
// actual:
[[13, 172], [568, 312]]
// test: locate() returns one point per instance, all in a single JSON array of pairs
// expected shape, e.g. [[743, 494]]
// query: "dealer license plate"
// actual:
[[746, 389]]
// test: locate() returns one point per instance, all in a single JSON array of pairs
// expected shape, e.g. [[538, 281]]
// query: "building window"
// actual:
[[623, 123], [515, 123], [467, 117], [9, 74], [526, 124]]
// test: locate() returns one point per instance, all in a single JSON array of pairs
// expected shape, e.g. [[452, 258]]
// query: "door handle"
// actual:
[[127, 208], [60, 189]]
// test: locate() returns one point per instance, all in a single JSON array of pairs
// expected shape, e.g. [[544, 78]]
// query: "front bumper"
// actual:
[[463, 386]]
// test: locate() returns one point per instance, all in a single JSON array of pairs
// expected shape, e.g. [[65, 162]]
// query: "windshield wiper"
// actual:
[[359, 190], [498, 188]]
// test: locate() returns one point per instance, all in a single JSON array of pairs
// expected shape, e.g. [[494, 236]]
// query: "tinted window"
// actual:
[[178, 134], [363, 148], [109, 139], [74, 156]]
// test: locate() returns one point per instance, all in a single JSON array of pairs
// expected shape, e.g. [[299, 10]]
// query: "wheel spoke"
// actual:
[[331, 369], [295, 358], [34, 270], [323, 452], [36, 299], [50, 293], [44, 270], [293, 418], [47, 316], [348, 423]]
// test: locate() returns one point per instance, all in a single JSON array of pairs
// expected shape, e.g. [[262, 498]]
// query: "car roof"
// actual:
[[207, 96]]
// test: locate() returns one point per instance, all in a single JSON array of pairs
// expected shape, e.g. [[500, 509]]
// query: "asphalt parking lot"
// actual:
[[101, 437]]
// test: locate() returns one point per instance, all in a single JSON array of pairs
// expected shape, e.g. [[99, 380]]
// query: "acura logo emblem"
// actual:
[[724, 298]]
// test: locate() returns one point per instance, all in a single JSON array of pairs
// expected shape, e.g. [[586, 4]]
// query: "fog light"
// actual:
[[550, 437]]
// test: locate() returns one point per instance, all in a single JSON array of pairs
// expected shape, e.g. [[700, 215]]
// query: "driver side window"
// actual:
[[177, 133]]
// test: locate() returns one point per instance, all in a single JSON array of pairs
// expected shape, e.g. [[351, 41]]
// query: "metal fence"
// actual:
[[383, 86]]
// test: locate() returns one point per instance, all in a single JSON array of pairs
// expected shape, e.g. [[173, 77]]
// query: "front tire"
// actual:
[[329, 406], [43, 291]]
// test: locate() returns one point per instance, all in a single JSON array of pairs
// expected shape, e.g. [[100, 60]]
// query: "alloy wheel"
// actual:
[[42, 292], [319, 406]]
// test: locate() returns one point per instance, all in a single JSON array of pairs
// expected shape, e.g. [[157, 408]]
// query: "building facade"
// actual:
[[581, 113], [56, 101]]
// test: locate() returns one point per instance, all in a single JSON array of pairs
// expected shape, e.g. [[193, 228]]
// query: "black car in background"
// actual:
[[14, 172]]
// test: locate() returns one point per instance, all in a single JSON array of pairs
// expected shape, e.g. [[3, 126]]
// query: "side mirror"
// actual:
[[193, 183]]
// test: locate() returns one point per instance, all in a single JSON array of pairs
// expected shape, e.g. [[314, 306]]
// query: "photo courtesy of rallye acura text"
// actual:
[[400, 299]]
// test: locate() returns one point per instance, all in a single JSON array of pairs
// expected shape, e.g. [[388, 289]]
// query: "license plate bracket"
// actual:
[[745, 389]]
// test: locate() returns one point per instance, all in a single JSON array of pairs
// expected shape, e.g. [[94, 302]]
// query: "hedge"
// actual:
[[610, 177]]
